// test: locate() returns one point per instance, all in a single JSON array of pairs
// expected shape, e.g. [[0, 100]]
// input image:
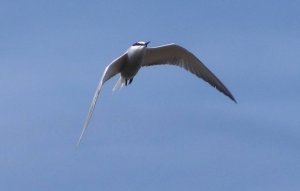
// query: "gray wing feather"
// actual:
[[179, 56], [110, 71]]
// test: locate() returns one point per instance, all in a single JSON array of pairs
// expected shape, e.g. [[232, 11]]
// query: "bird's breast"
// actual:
[[135, 56]]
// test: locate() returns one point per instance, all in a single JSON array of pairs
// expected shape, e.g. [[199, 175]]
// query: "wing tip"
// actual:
[[233, 99], [81, 135], [228, 94]]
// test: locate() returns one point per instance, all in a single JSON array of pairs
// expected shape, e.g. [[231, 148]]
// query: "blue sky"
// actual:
[[168, 130]]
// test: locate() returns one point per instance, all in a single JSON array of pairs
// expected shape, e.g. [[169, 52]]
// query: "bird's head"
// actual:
[[141, 43]]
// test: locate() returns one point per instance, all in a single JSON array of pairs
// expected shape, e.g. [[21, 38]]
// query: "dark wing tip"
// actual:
[[233, 99], [228, 94], [225, 91]]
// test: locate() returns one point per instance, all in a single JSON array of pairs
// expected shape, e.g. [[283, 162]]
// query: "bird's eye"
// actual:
[[136, 44]]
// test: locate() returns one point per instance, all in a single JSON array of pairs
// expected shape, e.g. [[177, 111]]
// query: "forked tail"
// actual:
[[120, 83]]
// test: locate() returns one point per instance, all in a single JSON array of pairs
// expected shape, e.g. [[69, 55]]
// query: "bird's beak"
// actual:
[[147, 43]]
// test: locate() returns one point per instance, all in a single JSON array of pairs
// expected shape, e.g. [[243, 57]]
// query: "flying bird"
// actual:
[[139, 55]]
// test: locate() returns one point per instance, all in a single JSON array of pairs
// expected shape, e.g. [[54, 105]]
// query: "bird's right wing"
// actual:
[[179, 56], [110, 71]]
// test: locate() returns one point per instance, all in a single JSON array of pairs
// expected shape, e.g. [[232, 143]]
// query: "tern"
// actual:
[[139, 55]]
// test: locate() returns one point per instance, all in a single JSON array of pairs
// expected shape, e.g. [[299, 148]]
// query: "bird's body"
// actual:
[[139, 55], [133, 63]]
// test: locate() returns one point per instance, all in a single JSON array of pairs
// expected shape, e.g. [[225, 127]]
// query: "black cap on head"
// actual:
[[141, 43]]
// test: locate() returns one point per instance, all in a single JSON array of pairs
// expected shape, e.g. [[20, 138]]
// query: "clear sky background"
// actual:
[[168, 130]]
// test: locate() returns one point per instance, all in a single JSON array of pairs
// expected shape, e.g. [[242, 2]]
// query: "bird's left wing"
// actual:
[[110, 71], [176, 55]]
